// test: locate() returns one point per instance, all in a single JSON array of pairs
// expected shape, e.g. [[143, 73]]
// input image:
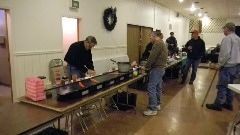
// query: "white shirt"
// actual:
[[230, 51]]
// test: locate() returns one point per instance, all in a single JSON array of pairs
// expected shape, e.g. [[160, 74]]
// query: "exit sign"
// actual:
[[74, 4]]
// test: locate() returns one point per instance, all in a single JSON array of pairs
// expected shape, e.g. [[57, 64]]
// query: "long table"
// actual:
[[236, 120], [68, 106], [19, 118], [22, 118], [175, 62]]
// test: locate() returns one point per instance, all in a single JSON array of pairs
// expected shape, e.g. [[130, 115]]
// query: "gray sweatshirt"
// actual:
[[229, 55]]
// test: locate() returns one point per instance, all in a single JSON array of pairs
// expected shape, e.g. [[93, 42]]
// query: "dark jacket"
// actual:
[[79, 57], [197, 48], [172, 40], [147, 51], [172, 45]]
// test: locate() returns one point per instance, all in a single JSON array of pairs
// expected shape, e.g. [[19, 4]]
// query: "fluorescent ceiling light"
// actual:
[[180, 1], [193, 8], [205, 20], [199, 14]]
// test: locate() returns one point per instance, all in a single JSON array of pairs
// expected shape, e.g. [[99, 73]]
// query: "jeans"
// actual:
[[189, 63], [74, 71], [226, 76], [155, 87]]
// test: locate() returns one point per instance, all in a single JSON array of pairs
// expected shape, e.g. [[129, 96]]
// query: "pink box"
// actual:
[[35, 89], [35, 94], [36, 98], [32, 88]]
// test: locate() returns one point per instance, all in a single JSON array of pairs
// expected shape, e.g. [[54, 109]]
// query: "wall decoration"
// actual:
[[215, 25], [110, 18]]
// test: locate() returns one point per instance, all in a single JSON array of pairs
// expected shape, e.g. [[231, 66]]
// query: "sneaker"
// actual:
[[182, 82], [214, 107], [158, 107], [150, 113], [228, 107]]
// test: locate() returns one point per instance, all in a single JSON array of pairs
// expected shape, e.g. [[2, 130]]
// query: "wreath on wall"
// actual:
[[110, 18]]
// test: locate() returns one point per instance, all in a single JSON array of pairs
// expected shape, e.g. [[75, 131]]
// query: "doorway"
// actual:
[[5, 71], [137, 39], [70, 29]]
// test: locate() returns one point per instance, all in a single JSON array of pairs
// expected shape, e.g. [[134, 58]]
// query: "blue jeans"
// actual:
[[189, 63], [155, 87], [74, 70], [226, 76]]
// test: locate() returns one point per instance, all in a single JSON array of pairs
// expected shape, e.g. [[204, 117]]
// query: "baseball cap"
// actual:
[[230, 26]]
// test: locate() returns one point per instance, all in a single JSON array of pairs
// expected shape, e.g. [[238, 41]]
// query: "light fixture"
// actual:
[[238, 11], [193, 8], [199, 14], [205, 19], [205, 14], [180, 1]]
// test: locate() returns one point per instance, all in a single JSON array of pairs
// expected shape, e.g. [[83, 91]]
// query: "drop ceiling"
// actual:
[[215, 8]]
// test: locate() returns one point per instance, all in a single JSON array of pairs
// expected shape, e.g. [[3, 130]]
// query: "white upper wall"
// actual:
[[180, 25], [234, 20], [37, 25], [36, 31], [212, 39]]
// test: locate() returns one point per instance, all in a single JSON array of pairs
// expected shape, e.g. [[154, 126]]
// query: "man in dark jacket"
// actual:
[[79, 57], [195, 51], [172, 44]]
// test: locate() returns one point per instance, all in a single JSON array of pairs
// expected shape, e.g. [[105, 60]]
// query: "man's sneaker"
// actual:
[[214, 107], [182, 82], [150, 113], [228, 107], [158, 107]]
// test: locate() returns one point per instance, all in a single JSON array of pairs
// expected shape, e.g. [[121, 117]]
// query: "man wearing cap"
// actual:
[[195, 51], [229, 68], [79, 57]]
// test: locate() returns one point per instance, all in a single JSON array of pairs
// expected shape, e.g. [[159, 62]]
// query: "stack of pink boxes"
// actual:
[[35, 89]]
